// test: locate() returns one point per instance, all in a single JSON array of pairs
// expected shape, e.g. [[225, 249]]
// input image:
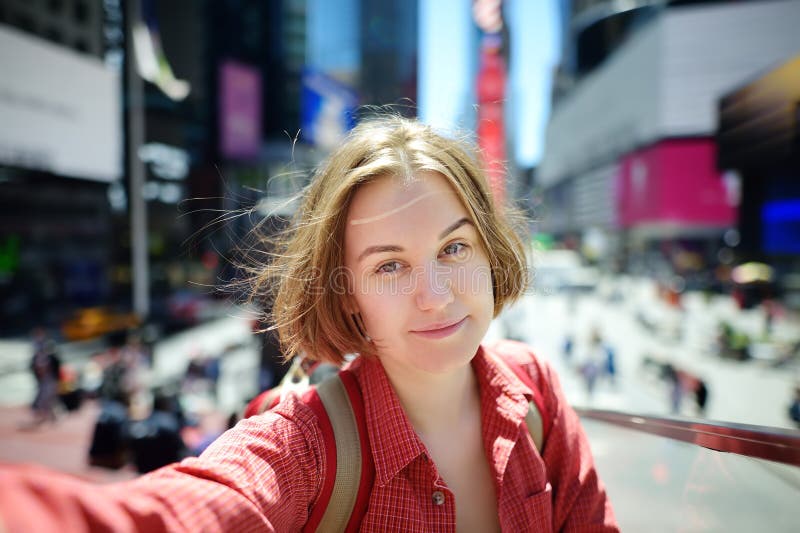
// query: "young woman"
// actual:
[[399, 255]]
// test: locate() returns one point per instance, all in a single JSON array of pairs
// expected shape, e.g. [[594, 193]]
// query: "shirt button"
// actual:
[[438, 497]]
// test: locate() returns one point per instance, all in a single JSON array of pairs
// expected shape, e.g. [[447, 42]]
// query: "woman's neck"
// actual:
[[434, 402]]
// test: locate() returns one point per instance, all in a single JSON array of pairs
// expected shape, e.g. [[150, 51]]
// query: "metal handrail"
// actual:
[[763, 442]]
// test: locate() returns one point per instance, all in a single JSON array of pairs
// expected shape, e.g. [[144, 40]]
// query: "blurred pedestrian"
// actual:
[[773, 310], [701, 396], [209, 425], [156, 441], [611, 363], [213, 369], [108, 446], [590, 370], [593, 364], [69, 388], [115, 386], [568, 347], [46, 369], [670, 374], [202, 374], [91, 378], [794, 407], [136, 364]]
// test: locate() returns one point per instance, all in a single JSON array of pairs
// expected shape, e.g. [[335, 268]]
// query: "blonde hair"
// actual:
[[307, 310]]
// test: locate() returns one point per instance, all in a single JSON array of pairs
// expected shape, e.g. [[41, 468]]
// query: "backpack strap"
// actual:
[[367, 464], [537, 419], [533, 419], [343, 498]]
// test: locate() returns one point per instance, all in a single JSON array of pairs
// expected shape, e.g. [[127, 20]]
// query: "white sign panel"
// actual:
[[59, 110]]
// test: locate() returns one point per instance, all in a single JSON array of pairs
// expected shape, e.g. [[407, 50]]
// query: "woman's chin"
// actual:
[[445, 360]]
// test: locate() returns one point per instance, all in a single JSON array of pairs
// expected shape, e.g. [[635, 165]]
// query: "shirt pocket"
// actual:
[[538, 510]]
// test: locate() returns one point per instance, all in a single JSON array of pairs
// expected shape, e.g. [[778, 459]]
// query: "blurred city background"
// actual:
[[654, 144]]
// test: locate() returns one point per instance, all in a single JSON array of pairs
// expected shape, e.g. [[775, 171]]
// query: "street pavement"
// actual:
[[61, 446]]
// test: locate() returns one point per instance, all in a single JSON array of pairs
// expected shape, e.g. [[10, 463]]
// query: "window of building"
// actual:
[[80, 11]]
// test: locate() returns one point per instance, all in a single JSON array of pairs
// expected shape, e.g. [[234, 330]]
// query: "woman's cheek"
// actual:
[[384, 287], [474, 278], [379, 313]]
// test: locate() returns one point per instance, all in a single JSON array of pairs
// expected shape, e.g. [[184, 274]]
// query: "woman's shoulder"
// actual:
[[521, 356], [514, 352], [292, 416]]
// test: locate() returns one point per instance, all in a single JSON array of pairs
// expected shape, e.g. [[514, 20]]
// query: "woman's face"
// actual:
[[420, 274]]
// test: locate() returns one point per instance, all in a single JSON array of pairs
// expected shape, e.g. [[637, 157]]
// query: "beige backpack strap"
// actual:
[[334, 397], [535, 427], [533, 418]]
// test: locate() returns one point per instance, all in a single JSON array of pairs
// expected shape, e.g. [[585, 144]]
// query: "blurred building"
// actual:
[[75, 24], [257, 59], [60, 148], [759, 140], [360, 53], [630, 148], [389, 54], [321, 63], [65, 237]]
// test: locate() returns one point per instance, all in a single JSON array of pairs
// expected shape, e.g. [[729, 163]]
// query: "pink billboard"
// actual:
[[239, 110], [673, 182]]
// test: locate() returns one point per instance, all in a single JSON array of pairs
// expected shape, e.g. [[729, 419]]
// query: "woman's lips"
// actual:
[[440, 332]]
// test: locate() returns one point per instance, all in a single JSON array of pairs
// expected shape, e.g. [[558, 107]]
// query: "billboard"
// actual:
[[59, 110], [239, 110], [674, 183], [328, 109], [760, 121], [780, 220]]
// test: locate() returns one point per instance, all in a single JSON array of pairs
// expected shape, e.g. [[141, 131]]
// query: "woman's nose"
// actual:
[[434, 288]]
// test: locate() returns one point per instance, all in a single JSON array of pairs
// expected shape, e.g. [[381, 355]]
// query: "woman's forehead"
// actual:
[[395, 199]]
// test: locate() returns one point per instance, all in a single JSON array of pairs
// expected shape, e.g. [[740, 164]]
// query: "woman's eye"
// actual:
[[388, 268], [455, 248]]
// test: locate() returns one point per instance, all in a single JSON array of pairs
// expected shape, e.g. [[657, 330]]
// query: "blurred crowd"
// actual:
[[140, 422]]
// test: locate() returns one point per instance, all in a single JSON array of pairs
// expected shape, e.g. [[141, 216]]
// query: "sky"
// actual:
[[535, 48]]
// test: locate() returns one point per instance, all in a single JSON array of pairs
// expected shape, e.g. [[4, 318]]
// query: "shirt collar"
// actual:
[[393, 440], [395, 444], [504, 404], [496, 379]]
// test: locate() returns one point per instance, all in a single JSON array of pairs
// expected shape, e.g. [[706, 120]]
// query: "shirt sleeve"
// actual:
[[580, 502], [263, 475]]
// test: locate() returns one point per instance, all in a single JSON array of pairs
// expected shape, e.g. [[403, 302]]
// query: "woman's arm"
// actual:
[[262, 475]]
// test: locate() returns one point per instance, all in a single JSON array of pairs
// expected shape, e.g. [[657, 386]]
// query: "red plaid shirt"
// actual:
[[265, 474]]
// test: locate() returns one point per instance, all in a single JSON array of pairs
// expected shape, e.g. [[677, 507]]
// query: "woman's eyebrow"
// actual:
[[395, 248], [378, 249], [452, 227]]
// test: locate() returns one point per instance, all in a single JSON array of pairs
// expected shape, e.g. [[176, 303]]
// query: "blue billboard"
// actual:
[[328, 109]]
